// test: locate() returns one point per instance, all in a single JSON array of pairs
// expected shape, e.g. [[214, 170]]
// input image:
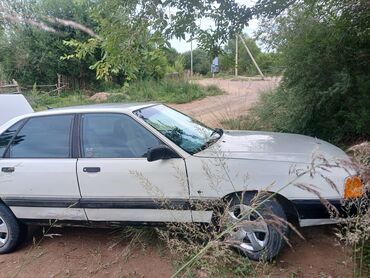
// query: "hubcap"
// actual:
[[251, 232], [3, 232]]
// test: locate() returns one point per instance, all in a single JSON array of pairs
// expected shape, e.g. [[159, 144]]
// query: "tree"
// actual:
[[245, 64], [128, 26], [31, 55], [325, 48], [268, 62], [201, 61]]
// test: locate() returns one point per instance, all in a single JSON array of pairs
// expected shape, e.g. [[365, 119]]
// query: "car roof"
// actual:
[[105, 107], [127, 108]]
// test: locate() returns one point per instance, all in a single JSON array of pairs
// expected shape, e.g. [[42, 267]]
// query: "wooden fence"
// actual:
[[15, 88]]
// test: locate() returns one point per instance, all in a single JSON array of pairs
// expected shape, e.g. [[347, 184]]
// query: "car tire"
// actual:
[[266, 243], [11, 230]]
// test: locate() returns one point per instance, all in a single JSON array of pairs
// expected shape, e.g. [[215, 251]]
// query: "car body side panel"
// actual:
[[47, 213], [39, 177], [49, 179], [218, 177], [133, 179], [142, 215]]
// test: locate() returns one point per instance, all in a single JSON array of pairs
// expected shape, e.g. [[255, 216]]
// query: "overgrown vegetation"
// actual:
[[325, 48], [172, 91], [269, 62], [167, 90], [31, 55], [355, 230], [94, 44]]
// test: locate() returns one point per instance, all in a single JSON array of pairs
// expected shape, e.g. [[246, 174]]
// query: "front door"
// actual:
[[118, 183], [38, 173]]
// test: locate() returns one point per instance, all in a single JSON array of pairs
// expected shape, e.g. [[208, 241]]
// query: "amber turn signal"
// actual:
[[353, 187]]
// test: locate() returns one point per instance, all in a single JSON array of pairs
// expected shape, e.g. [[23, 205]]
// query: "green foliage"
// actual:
[[132, 34], [31, 55], [228, 18], [125, 41], [172, 91], [245, 64], [178, 65], [325, 48], [201, 61], [269, 62], [128, 49], [42, 101]]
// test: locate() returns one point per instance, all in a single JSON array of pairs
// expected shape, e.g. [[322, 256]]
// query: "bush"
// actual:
[[326, 84], [355, 230], [172, 91]]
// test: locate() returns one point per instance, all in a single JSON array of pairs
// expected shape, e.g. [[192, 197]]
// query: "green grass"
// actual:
[[168, 91], [171, 91], [41, 101]]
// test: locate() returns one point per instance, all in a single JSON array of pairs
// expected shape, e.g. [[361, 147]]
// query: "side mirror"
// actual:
[[161, 152]]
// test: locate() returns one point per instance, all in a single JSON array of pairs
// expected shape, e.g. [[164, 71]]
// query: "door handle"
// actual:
[[91, 169], [8, 169]]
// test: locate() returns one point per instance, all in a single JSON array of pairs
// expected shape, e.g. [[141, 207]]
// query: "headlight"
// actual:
[[353, 187]]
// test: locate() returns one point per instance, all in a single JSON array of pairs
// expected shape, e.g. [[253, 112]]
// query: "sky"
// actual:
[[183, 46]]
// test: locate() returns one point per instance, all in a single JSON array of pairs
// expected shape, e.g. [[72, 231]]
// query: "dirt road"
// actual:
[[240, 95], [82, 252]]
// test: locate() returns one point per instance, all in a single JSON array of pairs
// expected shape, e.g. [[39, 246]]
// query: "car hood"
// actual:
[[12, 106], [271, 146]]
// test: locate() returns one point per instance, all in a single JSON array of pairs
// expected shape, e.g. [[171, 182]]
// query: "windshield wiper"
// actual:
[[219, 131], [211, 141]]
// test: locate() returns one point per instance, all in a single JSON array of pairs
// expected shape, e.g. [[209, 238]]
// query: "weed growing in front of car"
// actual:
[[354, 231], [137, 237], [29, 255], [209, 249]]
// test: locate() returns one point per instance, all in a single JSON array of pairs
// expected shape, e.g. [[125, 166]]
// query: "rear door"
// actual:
[[38, 173], [116, 180]]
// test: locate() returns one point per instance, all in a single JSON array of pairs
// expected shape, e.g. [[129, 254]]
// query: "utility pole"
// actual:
[[236, 56], [191, 57], [250, 55]]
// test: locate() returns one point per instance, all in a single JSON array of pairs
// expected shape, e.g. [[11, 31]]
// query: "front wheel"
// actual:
[[10, 230], [259, 228]]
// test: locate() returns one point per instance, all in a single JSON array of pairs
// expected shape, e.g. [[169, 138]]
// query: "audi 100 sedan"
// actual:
[[112, 163]]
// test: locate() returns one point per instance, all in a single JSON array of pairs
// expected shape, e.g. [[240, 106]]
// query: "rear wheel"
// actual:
[[11, 231], [259, 229]]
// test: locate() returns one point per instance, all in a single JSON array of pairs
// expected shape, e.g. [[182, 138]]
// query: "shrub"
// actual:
[[172, 91], [326, 84]]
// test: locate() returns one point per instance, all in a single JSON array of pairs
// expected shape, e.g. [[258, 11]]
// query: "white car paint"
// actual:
[[258, 160], [12, 106]]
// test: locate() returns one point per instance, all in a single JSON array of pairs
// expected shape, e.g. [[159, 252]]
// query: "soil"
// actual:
[[84, 252], [239, 96]]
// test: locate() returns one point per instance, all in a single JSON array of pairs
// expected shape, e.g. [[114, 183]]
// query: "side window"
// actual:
[[7, 136], [44, 137], [115, 136]]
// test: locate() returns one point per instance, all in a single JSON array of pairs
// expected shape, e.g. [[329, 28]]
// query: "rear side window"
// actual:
[[44, 137], [115, 136], [7, 136]]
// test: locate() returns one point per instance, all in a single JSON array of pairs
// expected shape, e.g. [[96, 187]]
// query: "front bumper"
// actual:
[[313, 212]]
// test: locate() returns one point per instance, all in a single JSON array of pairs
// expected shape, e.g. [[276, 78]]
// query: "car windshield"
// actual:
[[189, 134]]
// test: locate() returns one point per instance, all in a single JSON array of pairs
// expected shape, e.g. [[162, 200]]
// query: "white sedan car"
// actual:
[[113, 163]]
